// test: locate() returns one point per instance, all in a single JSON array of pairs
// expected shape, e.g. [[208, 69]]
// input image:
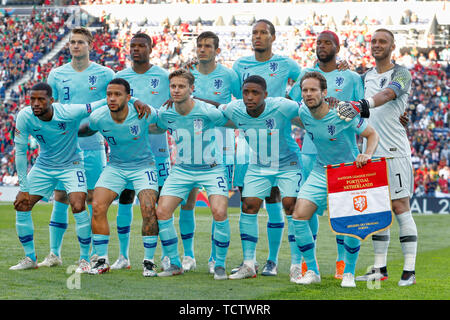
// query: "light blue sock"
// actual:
[[187, 230], [83, 230], [221, 241], [351, 246], [91, 212], [169, 240], [296, 254], [124, 220], [305, 242], [275, 226], [58, 226], [340, 248], [25, 232], [212, 255], [100, 242], [150, 243], [248, 227], [314, 226]]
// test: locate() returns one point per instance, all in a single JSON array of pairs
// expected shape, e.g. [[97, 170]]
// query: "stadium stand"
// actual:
[[422, 38]]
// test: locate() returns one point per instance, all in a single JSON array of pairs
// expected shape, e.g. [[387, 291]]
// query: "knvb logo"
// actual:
[[360, 203]]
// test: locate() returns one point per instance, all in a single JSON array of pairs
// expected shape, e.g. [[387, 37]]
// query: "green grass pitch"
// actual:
[[432, 267]]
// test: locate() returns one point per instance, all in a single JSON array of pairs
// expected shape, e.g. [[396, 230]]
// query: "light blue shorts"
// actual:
[[258, 182], [42, 182], [308, 161], [315, 190], [116, 179], [181, 181], [162, 167], [94, 163], [229, 171], [239, 174]]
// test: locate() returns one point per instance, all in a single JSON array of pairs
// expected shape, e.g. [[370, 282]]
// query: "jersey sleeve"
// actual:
[[110, 74], [294, 70], [51, 81], [239, 77], [235, 84], [153, 117], [21, 147], [359, 124], [296, 91], [160, 122], [228, 109], [401, 81], [358, 88], [288, 108], [217, 117]]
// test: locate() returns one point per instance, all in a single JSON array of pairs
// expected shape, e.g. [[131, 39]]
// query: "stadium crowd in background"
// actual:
[[428, 129]]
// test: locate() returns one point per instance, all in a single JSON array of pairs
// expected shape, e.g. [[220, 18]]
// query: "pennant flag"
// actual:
[[359, 202]]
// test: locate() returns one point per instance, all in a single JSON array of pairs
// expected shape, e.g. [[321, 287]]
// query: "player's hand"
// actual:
[[404, 119], [362, 159], [168, 103], [342, 65], [22, 200], [190, 65], [142, 109], [347, 110], [332, 102]]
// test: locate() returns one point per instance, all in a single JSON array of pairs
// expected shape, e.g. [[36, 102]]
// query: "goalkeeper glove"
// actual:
[[347, 110]]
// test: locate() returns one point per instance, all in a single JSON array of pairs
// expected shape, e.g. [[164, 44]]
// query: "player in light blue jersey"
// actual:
[[336, 143], [343, 85], [213, 82], [55, 127], [132, 162], [274, 160], [150, 84], [79, 81], [193, 124], [276, 70]]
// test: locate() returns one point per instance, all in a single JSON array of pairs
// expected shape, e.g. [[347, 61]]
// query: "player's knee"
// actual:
[[219, 214], [250, 206], [400, 206], [275, 195], [162, 213], [289, 206], [78, 206], [127, 196], [98, 208], [23, 207], [61, 196]]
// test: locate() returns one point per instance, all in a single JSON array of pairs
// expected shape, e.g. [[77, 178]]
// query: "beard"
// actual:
[[314, 107], [327, 58]]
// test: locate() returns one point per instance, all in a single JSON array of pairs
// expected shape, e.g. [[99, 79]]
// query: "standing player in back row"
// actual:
[[276, 71], [342, 85], [387, 87], [150, 84], [213, 82], [79, 81]]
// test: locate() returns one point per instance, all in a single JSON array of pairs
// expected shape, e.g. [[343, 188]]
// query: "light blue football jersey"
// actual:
[[71, 86], [334, 138], [57, 138], [343, 85], [269, 136], [152, 88], [128, 141], [194, 135], [276, 71], [218, 86]]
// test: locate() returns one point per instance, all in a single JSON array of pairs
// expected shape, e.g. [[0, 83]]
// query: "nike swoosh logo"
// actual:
[[36, 129], [106, 130], [245, 68], [170, 121], [398, 191], [241, 124], [66, 80]]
